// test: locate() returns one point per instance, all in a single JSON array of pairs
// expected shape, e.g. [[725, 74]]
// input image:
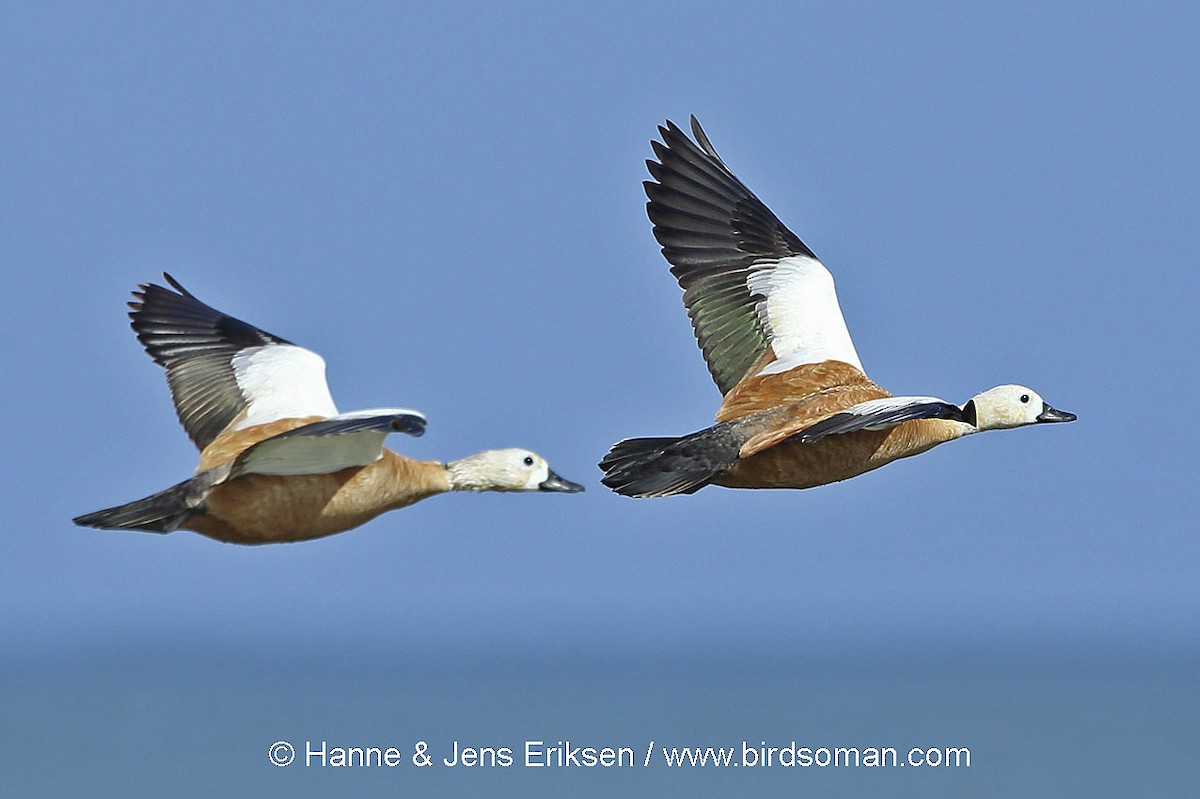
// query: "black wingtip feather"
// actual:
[[702, 138], [710, 225], [195, 343], [175, 284]]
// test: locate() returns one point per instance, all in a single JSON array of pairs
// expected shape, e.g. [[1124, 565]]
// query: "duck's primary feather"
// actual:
[[221, 370], [751, 286]]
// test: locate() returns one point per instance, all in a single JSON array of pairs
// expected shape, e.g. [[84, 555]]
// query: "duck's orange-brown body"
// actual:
[[795, 465], [758, 440], [255, 508], [798, 398], [812, 391]]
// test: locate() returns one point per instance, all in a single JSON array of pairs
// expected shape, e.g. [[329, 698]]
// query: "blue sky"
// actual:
[[446, 203]]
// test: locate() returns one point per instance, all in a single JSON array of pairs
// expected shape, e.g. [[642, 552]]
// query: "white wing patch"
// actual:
[[371, 413], [281, 381], [801, 315]]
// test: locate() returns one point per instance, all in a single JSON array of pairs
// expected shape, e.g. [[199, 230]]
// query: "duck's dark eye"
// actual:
[[528, 461], [1024, 398]]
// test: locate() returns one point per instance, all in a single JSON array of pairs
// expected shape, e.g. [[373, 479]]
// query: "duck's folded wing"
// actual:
[[879, 414], [807, 426], [330, 445], [223, 371], [749, 283]]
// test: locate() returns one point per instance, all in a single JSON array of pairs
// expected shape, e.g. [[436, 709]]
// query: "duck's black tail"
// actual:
[[158, 513], [661, 467]]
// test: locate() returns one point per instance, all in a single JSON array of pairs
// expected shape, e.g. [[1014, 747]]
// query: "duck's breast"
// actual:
[[259, 508]]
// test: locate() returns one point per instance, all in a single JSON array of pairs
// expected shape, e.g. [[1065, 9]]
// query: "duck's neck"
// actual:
[[406, 481], [468, 474]]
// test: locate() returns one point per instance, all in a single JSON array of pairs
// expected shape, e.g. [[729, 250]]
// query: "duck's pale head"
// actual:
[[507, 470], [1009, 406]]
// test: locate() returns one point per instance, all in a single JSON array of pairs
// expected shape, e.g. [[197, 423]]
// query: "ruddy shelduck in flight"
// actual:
[[278, 461], [798, 409]]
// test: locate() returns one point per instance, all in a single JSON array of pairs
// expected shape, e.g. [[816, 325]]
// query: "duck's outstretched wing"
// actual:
[[225, 373], [330, 445], [749, 283]]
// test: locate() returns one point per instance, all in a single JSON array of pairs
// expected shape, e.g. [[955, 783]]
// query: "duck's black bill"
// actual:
[[1049, 414], [556, 483]]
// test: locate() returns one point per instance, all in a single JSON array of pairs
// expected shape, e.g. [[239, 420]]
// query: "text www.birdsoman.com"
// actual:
[[572, 754]]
